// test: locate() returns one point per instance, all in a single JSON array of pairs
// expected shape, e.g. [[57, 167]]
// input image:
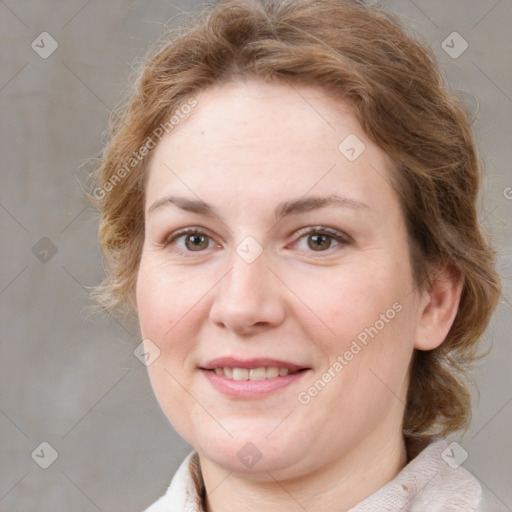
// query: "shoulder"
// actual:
[[433, 481], [184, 492], [455, 486]]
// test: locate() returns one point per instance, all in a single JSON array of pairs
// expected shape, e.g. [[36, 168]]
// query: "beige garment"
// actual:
[[430, 482]]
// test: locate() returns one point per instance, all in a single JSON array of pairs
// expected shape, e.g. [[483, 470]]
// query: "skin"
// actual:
[[244, 149]]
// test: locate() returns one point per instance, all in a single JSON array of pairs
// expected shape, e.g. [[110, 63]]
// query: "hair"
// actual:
[[361, 55]]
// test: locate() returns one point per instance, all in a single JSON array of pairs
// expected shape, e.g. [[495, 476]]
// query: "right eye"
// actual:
[[189, 240]]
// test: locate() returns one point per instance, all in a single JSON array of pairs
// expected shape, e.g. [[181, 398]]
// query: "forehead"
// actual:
[[240, 114], [246, 136]]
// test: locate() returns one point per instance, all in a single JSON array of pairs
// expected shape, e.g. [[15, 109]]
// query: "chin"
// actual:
[[252, 451]]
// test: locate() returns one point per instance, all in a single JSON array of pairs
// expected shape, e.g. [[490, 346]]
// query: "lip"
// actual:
[[233, 362], [250, 389], [246, 389]]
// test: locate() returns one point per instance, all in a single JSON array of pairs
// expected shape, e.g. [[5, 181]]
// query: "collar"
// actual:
[[426, 484]]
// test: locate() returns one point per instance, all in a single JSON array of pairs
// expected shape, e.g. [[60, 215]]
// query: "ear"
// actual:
[[439, 307]]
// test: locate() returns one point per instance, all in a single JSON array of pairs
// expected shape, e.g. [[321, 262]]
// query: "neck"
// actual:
[[339, 485]]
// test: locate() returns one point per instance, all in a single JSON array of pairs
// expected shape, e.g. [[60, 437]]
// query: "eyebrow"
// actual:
[[292, 207]]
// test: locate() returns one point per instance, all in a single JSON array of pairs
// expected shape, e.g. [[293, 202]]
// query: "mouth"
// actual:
[[260, 373], [251, 378]]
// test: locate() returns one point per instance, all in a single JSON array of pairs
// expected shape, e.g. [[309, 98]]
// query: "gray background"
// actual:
[[70, 378]]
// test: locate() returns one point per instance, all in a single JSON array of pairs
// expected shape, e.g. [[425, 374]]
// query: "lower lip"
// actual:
[[251, 388]]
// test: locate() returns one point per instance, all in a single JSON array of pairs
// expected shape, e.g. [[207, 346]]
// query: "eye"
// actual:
[[189, 240], [318, 239], [321, 239]]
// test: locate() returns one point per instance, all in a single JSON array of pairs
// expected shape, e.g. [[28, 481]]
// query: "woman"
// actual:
[[288, 206]]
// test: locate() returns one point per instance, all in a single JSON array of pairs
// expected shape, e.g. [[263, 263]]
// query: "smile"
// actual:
[[260, 373]]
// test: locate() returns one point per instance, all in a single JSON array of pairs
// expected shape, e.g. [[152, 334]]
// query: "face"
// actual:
[[275, 280]]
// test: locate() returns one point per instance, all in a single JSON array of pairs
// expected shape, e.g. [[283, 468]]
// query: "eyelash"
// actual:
[[338, 236]]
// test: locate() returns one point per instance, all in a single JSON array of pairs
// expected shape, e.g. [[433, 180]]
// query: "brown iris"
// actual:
[[196, 242], [319, 242]]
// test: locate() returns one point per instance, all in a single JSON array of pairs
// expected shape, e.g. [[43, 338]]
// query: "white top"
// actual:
[[428, 483]]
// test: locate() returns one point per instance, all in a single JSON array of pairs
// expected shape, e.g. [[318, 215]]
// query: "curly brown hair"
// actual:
[[361, 55]]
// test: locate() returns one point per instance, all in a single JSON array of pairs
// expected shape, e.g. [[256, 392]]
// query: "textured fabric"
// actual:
[[426, 484]]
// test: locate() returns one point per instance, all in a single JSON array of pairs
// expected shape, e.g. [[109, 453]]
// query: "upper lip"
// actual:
[[259, 362]]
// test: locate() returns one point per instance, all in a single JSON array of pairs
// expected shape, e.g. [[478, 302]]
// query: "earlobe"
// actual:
[[439, 308]]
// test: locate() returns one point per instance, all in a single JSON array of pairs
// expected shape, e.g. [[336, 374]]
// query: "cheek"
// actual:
[[172, 306], [152, 302], [370, 324], [369, 353], [347, 300], [164, 305], [167, 316], [164, 296]]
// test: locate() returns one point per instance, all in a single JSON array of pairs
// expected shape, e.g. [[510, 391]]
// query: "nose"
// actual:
[[249, 299]]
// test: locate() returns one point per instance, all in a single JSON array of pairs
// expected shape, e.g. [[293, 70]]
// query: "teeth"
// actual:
[[257, 374], [240, 374], [252, 374], [272, 372]]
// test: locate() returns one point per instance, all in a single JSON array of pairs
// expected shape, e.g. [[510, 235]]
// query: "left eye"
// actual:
[[321, 240]]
